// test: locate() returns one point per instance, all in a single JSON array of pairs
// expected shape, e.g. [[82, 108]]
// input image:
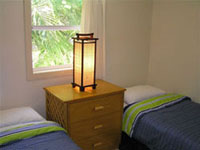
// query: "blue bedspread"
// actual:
[[176, 127], [50, 141], [36, 136]]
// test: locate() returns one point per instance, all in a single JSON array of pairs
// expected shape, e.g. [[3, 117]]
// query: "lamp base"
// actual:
[[73, 85], [82, 88], [94, 86]]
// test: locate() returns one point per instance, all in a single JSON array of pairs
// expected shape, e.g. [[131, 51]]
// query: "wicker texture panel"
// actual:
[[56, 110]]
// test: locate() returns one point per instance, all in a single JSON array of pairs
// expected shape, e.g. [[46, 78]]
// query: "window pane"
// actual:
[[56, 12], [52, 48]]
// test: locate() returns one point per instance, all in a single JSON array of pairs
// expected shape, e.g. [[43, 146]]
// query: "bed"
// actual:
[[162, 122], [24, 129]]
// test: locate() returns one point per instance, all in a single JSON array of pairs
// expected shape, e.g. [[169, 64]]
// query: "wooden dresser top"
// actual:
[[68, 94]]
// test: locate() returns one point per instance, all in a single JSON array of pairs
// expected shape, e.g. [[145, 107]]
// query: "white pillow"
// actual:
[[125, 104], [19, 115], [141, 92]]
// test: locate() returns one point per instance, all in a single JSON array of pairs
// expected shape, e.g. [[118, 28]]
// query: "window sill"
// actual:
[[51, 73]]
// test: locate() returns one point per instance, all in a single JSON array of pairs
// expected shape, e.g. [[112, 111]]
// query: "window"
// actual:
[[50, 25]]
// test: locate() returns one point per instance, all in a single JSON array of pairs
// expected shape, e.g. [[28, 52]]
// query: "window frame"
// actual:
[[42, 72]]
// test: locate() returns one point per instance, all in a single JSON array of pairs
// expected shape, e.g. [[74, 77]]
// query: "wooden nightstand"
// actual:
[[92, 118]]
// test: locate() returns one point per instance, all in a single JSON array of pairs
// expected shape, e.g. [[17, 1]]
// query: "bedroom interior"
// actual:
[[152, 43]]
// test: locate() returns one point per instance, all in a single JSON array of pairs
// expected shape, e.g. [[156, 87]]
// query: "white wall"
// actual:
[[126, 60], [175, 47], [1, 46], [16, 90], [174, 50], [128, 26]]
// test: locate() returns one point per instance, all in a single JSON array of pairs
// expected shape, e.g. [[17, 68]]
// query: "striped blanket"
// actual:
[[27, 131], [137, 110]]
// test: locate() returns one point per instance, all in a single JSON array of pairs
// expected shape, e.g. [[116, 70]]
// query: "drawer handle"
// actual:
[[97, 108], [98, 126], [97, 144]]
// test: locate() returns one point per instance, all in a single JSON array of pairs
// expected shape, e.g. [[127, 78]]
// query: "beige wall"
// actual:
[[126, 60], [175, 47], [128, 26]]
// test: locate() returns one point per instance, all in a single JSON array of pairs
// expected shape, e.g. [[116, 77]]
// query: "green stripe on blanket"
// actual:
[[22, 126], [29, 133], [131, 113]]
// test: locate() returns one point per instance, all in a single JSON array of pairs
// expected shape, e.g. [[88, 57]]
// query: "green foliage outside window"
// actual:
[[52, 48]]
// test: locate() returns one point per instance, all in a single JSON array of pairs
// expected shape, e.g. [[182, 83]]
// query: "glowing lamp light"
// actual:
[[84, 61]]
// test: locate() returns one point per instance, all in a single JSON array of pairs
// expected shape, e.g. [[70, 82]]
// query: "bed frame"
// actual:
[[128, 143]]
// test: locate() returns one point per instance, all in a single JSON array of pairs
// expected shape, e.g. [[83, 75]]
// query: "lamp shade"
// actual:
[[84, 61]]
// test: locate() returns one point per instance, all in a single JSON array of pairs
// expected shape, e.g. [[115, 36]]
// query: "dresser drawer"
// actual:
[[96, 107], [101, 142], [108, 124]]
